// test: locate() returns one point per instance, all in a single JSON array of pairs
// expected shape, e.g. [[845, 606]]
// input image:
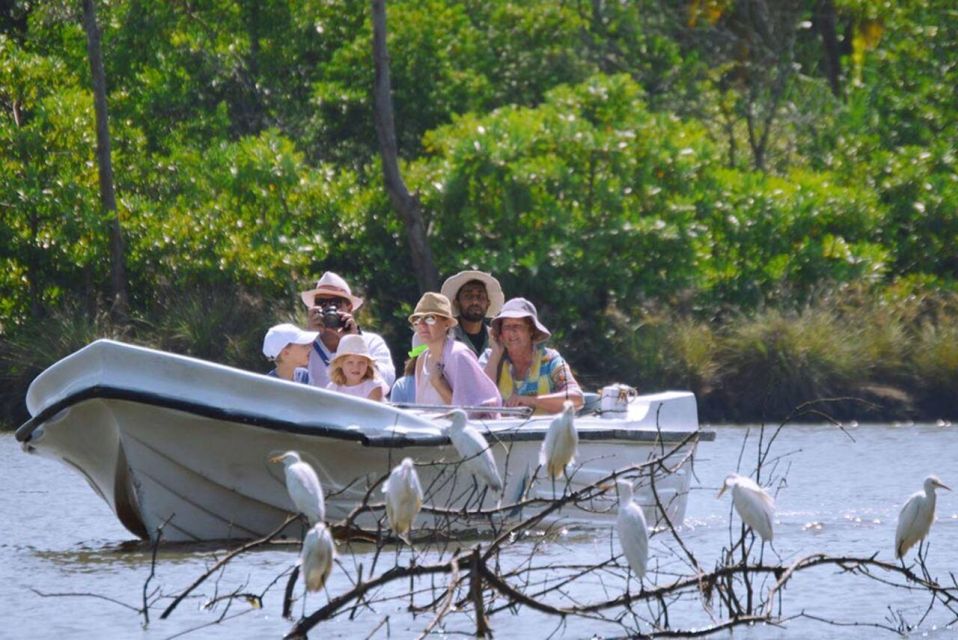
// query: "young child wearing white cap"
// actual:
[[288, 346]]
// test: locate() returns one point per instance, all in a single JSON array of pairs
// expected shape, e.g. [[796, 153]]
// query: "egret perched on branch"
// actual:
[[403, 498], [754, 505], [916, 516], [474, 450], [303, 487], [316, 559], [633, 530], [559, 446]]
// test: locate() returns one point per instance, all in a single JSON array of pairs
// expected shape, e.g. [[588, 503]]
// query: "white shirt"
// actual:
[[319, 370], [426, 393], [361, 390]]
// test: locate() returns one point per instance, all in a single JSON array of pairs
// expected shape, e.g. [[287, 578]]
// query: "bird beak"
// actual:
[[944, 487], [276, 459], [721, 491]]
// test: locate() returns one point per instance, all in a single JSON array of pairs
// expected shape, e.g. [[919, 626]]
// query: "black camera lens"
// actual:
[[331, 319]]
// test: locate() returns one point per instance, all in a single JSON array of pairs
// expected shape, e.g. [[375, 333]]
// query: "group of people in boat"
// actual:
[[470, 348]]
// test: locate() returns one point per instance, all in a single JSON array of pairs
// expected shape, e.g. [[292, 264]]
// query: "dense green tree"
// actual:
[[623, 164], [51, 225]]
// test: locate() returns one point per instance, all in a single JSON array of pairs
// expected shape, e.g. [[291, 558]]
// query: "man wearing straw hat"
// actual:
[[475, 296], [331, 306]]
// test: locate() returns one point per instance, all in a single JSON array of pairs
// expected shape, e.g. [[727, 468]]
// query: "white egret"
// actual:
[[916, 516], [316, 559], [754, 505], [474, 450], [632, 529], [559, 445], [303, 487], [403, 498]]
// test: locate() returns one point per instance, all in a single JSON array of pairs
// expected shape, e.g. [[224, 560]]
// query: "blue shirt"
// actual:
[[300, 375], [404, 391]]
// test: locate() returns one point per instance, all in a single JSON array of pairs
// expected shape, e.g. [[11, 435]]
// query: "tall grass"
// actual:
[[934, 367], [34, 346], [225, 326], [221, 325], [778, 360]]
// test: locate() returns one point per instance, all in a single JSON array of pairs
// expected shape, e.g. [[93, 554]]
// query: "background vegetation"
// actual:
[[756, 200]]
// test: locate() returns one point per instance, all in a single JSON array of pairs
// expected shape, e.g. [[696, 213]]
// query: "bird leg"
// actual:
[[475, 493], [303, 527], [305, 596], [482, 496]]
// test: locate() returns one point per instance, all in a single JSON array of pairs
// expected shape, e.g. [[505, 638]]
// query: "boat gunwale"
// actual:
[[389, 438]]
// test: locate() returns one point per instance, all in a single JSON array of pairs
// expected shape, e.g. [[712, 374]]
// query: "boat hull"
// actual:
[[185, 451]]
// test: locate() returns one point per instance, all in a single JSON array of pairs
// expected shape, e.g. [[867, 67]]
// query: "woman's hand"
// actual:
[[495, 344], [521, 401], [440, 384]]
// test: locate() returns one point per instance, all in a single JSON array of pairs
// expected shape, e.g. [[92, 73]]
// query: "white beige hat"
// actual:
[[282, 335], [452, 285], [352, 345], [331, 284], [522, 308]]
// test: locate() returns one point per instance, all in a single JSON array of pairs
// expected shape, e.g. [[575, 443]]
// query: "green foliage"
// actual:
[[786, 359], [935, 366], [597, 157], [29, 349], [51, 228], [538, 195], [224, 324], [777, 239]]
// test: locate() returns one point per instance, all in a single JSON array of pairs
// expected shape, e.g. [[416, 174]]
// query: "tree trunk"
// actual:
[[406, 204], [825, 22], [104, 163]]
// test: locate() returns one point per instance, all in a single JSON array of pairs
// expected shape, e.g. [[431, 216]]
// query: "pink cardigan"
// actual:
[[471, 387]]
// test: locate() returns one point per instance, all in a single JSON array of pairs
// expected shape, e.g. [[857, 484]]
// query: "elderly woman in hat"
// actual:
[[527, 373], [447, 372]]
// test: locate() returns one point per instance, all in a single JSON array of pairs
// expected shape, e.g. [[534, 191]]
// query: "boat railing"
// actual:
[[522, 412]]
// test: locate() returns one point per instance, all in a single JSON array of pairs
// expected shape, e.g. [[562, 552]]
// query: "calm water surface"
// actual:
[[841, 497]]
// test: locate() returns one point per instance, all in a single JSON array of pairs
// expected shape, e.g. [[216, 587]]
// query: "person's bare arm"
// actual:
[[552, 402], [495, 357], [440, 384]]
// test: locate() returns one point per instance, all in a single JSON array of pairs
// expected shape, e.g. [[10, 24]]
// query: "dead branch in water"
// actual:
[[216, 567]]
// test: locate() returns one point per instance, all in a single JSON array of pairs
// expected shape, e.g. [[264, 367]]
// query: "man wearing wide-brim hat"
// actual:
[[331, 305], [476, 297]]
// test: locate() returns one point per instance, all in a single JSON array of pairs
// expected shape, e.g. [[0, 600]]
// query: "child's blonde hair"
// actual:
[[336, 369]]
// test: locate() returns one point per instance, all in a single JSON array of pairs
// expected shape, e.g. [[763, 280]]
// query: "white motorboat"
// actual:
[[184, 443]]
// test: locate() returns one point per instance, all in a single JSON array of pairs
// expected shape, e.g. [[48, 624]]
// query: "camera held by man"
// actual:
[[331, 316]]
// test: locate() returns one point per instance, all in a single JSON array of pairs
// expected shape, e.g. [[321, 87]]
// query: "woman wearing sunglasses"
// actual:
[[447, 372]]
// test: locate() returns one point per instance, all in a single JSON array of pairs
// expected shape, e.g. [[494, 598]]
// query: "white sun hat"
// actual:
[[452, 285]]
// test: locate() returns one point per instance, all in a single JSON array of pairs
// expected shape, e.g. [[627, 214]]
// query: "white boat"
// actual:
[[164, 438]]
